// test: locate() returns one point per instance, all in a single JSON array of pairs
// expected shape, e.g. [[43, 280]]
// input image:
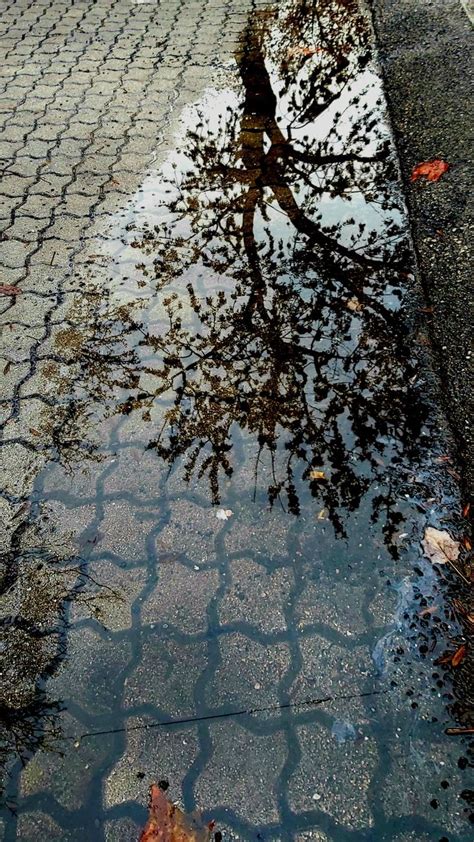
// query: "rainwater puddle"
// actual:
[[233, 522]]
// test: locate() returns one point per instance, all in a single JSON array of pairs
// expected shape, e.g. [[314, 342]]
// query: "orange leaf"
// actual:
[[305, 51], [458, 656], [444, 659], [466, 510], [426, 611], [467, 543], [167, 823], [8, 289], [431, 170], [317, 475]]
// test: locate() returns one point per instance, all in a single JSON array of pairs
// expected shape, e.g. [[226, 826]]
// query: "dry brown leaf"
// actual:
[[439, 547], [466, 510], [426, 310], [459, 732], [8, 289], [354, 304], [444, 660], [304, 51], [167, 823], [431, 170], [426, 611], [317, 475], [458, 656]]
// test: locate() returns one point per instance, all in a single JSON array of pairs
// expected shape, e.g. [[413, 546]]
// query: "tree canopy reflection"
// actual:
[[279, 255]]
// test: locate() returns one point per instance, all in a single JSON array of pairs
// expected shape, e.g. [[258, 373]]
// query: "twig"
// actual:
[[455, 732]]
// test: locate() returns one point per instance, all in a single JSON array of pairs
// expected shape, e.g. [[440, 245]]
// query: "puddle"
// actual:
[[237, 502]]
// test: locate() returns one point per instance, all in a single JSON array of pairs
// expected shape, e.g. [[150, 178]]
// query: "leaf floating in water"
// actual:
[[458, 656], [439, 547], [317, 475], [431, 170], [304, 51], [427, 611], [167, 823], [452, 658], [459, 732], [354, 304], [224, 514]]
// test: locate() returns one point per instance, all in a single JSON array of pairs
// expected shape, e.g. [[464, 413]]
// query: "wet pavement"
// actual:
[[221, 442]]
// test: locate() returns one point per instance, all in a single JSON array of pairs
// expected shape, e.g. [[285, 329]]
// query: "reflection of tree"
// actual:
[[38, 590], [281, 310], [25, 730]]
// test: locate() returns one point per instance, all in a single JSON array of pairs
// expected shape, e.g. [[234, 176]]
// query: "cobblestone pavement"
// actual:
[[218, 458]]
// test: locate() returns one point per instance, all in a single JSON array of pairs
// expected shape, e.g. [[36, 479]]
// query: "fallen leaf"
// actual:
[[7, 289], [431, 610], [167, 823], [304, 51], [458, 656], [455, 474], [442, 459], [322, 515], [455, 732], [439, 547], [467, 543], [354, 304], [224, 514], [443, 660], [466, 510], [431, 170], [34, 432], [317, 475]]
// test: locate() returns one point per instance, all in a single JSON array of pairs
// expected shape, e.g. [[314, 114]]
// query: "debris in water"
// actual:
[[354, 304], [343, 731], [304, 51], [439, 547], [452, 658], [431, 170], [458, 656], [458, 732], [167, 823], [317, 475], [427, 611], [224, 514]]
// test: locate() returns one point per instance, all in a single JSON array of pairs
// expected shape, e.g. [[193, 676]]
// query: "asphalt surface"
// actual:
[[426, 52]]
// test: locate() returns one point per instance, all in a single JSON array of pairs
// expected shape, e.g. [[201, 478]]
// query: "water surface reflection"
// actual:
[[276, 240]]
